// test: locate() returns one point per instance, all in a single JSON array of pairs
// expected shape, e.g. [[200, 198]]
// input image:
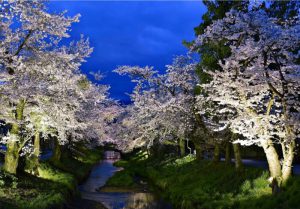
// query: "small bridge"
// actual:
[[112, 155]]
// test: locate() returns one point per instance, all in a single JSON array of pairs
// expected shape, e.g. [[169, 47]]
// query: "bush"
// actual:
[[8, 180]]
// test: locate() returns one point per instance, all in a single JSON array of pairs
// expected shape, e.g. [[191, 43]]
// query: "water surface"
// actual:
[[117, 200]]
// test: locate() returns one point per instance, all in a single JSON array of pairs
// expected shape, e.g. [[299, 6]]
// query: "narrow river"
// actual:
[[117, 200]]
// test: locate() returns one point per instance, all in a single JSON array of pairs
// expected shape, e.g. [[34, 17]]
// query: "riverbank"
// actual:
[[55, 186], [118, 197], [188, 183]]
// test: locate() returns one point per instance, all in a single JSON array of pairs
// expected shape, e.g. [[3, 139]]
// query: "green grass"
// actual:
[[79, 165], [122, 178], [188, 184], [55, 185], [121, 163], [49, 172], [31, 192]]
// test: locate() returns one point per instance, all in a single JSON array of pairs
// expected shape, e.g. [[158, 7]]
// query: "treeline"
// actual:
[[244, 90], [43, 95]]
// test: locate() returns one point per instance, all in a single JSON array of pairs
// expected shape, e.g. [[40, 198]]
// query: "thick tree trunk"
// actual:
[[182, 147], [237, 157], [56, 152], [11, 158], [216, 157], [287, 163], [227, 153], [273, 160], [12, 154], [280, 174], [288, 147], [32, 163]]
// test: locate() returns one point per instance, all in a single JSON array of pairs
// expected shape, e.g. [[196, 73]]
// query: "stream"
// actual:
[[117, 200]]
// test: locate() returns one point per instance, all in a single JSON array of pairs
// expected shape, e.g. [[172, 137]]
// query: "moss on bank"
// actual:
[[55, 186], [188, 184]]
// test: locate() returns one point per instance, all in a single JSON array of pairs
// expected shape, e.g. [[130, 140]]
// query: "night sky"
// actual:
[[132, 33]]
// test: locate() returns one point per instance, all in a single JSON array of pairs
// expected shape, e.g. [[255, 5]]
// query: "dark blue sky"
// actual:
[[132, 33]]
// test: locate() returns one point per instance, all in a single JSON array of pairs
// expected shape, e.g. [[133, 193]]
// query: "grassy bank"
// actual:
[[80, 164], [54, 187], [188, 184]]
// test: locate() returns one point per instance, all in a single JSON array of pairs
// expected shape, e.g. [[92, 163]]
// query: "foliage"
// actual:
[[256, 93], [84, 160], [247, 84], [42, 89], [52, 188], [211, 52], [7, 179], [162, 109], [187, 183]]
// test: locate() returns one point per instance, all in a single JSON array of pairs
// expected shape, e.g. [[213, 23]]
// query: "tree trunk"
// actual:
[[237, 157], [227, 153], [56, 152], [199, 150], [32, 163], [288, 147], [216, 157], [287, 163], [11, 158], [12, 153], [273, 160], [182, 147]]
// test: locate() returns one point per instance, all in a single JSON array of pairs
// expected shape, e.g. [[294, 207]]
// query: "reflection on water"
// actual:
[[117, 200], [99, 175]]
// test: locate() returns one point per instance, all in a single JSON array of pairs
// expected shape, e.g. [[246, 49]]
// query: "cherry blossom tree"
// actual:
[[98, 113], [50, 95], [162, 110], [40, 79], [258, 87]]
